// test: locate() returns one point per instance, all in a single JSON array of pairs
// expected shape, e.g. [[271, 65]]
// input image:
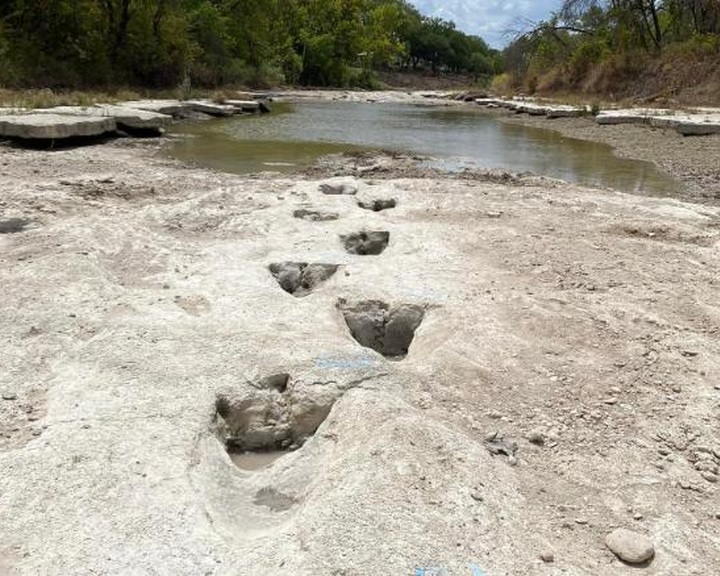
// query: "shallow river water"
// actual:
[[454, 137]]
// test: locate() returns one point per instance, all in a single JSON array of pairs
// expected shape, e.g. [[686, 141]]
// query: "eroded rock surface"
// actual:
[[13, 225], [386, 329], [271, 417], [366, 243], [339, 188], [301, 278], [378, 204], [315, 215], [581, 317]]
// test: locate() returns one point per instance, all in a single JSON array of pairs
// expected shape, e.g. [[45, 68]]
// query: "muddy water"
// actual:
[[255, 460], [455, 137]]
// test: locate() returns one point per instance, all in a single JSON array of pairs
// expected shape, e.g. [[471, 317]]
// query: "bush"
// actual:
[[587, 54], [699, 46], [502, 84]]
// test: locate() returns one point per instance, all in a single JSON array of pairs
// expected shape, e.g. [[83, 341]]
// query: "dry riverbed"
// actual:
[[540, 368]]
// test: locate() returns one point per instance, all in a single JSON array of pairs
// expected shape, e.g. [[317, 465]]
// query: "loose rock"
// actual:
[[13, 225], [630, 546], [536, 437], [344, 188], [315, 215]]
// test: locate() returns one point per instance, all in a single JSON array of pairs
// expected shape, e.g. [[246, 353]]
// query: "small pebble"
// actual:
[[9, 396], [547, 557], [536, 437]]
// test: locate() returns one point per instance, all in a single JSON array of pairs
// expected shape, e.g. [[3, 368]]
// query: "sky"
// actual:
[[488, 18]]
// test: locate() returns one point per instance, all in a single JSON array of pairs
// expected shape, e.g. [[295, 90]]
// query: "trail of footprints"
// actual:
[[271, 417]]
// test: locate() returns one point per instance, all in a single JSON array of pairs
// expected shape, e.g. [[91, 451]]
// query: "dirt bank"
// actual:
[[542, 368]]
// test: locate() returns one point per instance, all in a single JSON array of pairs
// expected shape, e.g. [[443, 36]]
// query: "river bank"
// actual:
[[693, 160], [559, 380]]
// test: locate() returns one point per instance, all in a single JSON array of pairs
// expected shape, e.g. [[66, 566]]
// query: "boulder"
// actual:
[[46, 126]]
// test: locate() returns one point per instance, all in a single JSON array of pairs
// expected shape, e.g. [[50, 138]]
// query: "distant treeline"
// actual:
[[211, 43], [601, 46]]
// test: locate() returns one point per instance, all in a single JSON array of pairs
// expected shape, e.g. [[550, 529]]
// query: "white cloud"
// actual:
[[488, 18]]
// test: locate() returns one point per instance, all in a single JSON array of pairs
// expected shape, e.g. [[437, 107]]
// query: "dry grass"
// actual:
[[46, 98], [677, 78]]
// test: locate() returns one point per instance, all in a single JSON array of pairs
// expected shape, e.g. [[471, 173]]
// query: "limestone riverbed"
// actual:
[[488, 374]]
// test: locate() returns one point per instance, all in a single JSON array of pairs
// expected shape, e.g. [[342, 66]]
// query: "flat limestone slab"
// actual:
[[531, 108], [701, 123], [490, 102], [250, 105], [630, 116], [698, 125], [7, 111], [170, 107], [125, 116], [43, 126], [534, 108], [566, 111], [207, 107], [134, 118]]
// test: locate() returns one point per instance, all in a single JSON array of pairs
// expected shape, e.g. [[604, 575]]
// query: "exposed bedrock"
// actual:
[[386, 329], [301, 278]]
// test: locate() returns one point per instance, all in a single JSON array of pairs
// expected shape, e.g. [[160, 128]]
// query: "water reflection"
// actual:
[[456, 137]]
